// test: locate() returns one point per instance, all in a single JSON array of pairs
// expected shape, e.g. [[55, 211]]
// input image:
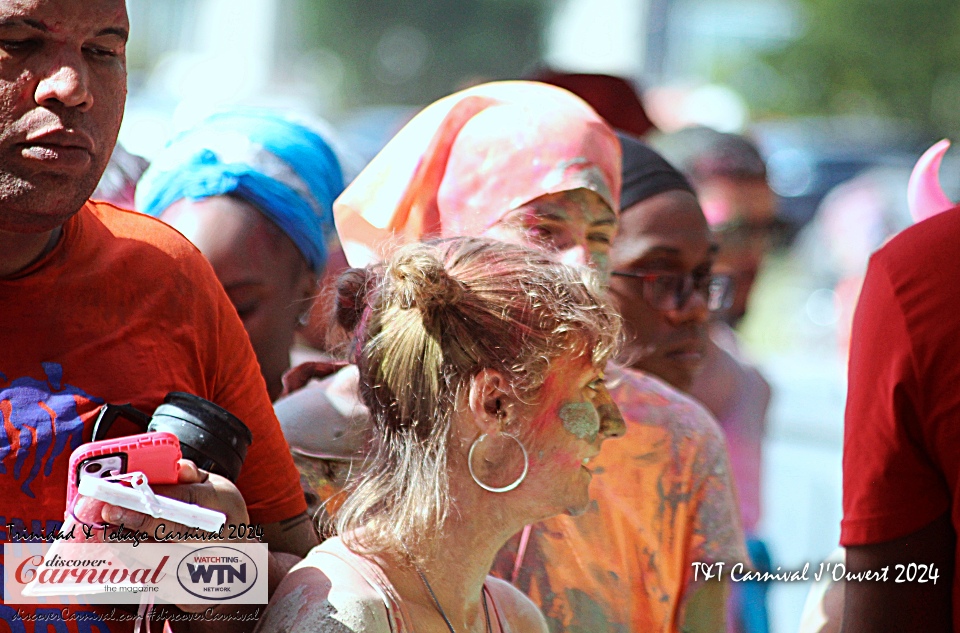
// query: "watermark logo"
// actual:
[[119, 573], [217, 573]]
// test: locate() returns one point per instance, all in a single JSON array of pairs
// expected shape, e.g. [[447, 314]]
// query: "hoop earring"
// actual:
[[510, 486]]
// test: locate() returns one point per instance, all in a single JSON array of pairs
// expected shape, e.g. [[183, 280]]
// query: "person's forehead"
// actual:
[[744, 198], [668, 212], [223, 226], [667, 222], [62, 16], [579, 205]]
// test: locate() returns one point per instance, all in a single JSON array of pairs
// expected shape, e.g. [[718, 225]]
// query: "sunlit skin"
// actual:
[[62, 94], [577, 225], [562, 430], [580, 226], [664, 233], [580, 419], [574, 414], [265, 276], [750, 201]]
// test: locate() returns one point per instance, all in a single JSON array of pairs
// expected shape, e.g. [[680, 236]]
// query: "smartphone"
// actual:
[[154, 454]]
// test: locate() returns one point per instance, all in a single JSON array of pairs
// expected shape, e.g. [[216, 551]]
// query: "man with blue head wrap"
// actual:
[[254, 192]]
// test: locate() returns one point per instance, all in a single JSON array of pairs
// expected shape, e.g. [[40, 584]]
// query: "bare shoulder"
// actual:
[[519, 613], [323, 594]]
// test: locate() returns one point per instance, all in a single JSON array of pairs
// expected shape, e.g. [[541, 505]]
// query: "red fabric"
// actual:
[[124, 309], [901, 463], [614, 98]]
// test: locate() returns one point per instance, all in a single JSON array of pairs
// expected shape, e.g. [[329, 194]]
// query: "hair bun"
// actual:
[[351, 299], [420, 281]]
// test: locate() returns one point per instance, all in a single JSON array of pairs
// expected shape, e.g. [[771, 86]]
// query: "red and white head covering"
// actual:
[[467, 160]]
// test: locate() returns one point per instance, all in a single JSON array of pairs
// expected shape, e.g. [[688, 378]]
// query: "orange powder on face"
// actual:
[[547, 407]]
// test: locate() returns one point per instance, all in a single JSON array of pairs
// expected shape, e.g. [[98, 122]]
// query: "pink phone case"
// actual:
[[154, 454]]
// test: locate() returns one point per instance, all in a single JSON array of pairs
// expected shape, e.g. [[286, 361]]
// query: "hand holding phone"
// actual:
[[154, 454]]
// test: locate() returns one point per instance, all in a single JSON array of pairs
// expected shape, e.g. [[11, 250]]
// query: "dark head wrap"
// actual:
[[646, 173]]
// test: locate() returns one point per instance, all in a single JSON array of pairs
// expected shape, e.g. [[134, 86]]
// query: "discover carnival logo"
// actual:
[[217, 573], [120, 573]]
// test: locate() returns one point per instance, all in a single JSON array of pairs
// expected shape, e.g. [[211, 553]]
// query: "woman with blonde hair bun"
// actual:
[[532, 164], [482, 366]]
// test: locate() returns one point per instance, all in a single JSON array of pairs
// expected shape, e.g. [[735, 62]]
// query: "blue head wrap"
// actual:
[[284, 169]]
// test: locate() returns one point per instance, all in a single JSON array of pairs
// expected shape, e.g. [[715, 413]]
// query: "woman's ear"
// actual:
[[307, 287], [487, 400]]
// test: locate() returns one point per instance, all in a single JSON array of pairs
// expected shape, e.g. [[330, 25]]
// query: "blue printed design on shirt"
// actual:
[[39, 418]]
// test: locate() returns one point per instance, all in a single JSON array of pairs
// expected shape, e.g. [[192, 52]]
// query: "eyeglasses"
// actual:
[[671, 291]]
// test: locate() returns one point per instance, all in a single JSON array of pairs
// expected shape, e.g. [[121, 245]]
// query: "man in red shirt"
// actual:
[[102, 305], [901, 466]]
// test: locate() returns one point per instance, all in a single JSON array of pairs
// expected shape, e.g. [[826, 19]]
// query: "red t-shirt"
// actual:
[[901, 463], [123, 309]]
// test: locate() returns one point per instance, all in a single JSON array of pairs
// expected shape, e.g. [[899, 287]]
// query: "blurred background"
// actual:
[[842, 97]]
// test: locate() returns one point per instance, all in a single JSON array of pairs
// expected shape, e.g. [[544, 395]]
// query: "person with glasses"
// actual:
[[729, 177], [664, 282], [661, 263]]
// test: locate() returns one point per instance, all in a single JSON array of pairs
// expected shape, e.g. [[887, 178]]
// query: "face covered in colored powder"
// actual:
[[577, 225], [265, 276], [664, 234], [571, 418]]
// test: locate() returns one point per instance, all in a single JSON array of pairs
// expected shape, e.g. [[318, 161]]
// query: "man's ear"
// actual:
[[488, 400]]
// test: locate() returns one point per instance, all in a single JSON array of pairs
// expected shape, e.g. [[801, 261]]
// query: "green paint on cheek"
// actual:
[[601, 262], [581, 419]]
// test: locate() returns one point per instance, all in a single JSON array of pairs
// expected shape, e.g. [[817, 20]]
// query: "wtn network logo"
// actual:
[[226, 571], [217, 573]]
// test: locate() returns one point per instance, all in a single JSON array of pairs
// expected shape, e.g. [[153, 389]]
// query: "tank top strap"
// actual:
[[397, 615], [496, 623]]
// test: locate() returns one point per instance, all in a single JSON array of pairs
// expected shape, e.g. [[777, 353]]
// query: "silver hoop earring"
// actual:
[[510, 486]]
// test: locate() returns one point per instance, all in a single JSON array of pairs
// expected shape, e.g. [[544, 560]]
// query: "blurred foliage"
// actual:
[[414, 51], [898, 58]]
